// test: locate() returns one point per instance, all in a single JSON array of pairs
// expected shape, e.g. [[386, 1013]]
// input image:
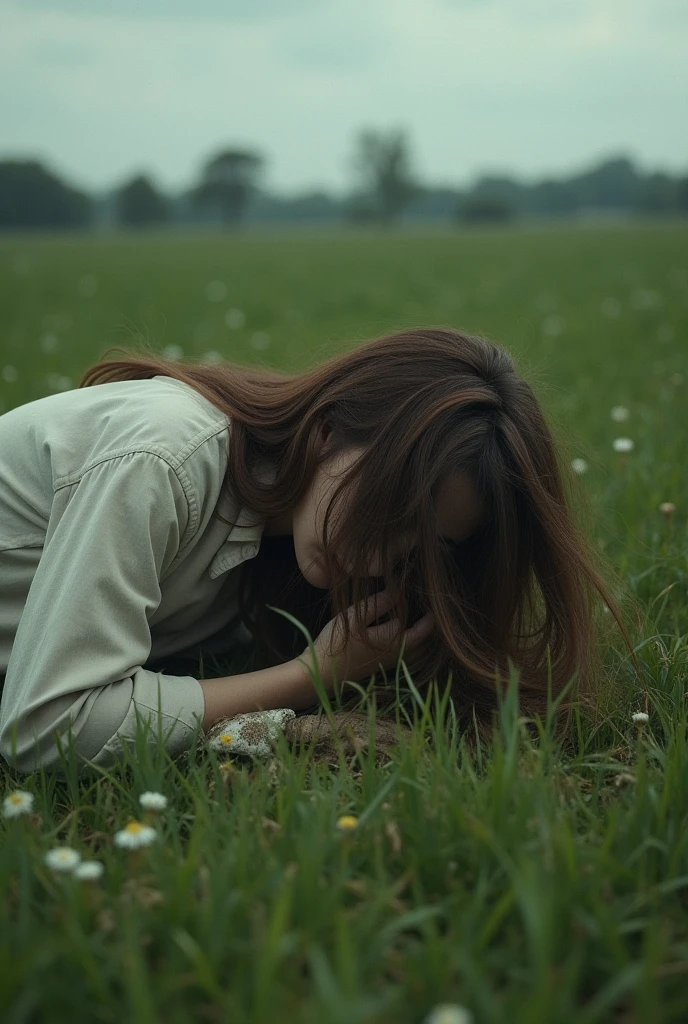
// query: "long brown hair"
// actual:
[[523, 590]]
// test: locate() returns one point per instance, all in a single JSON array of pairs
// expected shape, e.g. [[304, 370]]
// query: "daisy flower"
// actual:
[[152, 801], [62, 858], [347, 822], [135, 835], [579, 466], [623, 444], [641, 717], [89, 870], [449, 1013], [619, 414], [667, 508], [18, 802]]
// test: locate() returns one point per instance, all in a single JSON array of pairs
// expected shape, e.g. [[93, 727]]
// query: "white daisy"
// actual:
[[89, 870], [235, 319], [152, 801], [623, 444], [18, 802], [134, 835], [449, 1013], [215, 291], [62, 858], [640, 716], [172, 352], [579, 466], [619, 414]]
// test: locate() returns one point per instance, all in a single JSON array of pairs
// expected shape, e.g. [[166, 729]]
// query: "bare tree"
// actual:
[[229, 179], [386, 182]]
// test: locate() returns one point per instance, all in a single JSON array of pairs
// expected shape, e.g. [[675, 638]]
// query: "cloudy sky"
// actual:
[[101, 89]]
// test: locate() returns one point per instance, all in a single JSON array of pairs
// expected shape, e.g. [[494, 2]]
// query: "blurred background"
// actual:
[[274, 182], [133, 113]]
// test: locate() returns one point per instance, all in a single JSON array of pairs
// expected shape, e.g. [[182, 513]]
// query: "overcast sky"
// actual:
[[101, 89]]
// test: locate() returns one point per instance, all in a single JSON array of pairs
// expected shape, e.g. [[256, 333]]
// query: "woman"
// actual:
[[153, 513]]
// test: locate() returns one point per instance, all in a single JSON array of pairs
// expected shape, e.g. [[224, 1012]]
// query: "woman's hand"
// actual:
[[360, 658]]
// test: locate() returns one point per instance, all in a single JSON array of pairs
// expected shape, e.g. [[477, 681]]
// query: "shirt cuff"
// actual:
[[173, 705]]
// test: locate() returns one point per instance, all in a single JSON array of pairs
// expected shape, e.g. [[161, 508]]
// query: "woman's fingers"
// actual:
[[422, 629], [375, 606]]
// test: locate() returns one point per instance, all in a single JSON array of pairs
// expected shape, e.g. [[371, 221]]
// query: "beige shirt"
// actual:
[[109, 559]]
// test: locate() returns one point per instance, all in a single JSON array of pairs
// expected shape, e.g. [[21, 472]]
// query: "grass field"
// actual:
[[523, 885]]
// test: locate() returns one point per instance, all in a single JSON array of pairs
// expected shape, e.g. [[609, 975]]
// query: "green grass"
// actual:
[[521, 882]]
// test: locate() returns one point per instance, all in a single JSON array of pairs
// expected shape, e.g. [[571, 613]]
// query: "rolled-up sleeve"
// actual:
[[83, 637]]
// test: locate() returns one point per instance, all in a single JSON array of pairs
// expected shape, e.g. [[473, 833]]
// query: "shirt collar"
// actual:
[[243, 540]]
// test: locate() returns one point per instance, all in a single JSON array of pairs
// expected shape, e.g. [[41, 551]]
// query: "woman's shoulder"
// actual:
[[76, 429]]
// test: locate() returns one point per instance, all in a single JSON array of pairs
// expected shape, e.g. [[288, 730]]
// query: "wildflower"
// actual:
[[667, 508], [449, 1013], [641, 717], [579, 466], [553, 324], [49, 342], [347, 823], [215, 291], [62, 858], [151, 801], [623, 444], [223, 741], [18, 802], [135, 835], [89, 870], [619, 414], [174, 352], [260, 340], [234, 319]]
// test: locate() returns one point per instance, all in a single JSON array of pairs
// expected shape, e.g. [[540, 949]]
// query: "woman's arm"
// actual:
[[280, 686]]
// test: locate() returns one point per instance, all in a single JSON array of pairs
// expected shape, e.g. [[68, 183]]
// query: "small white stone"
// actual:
[[252, 733]]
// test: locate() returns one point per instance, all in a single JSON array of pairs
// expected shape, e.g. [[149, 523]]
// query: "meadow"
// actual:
[[522, 883]]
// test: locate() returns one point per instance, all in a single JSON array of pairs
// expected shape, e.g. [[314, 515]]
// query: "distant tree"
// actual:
[[658, 194], [386, 182], [228, 181], [33, 197], [612, 184], [484, 209], [682, 195], [139, 203]]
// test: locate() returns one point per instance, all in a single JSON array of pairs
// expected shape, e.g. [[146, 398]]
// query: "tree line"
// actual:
[[230, 192]]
